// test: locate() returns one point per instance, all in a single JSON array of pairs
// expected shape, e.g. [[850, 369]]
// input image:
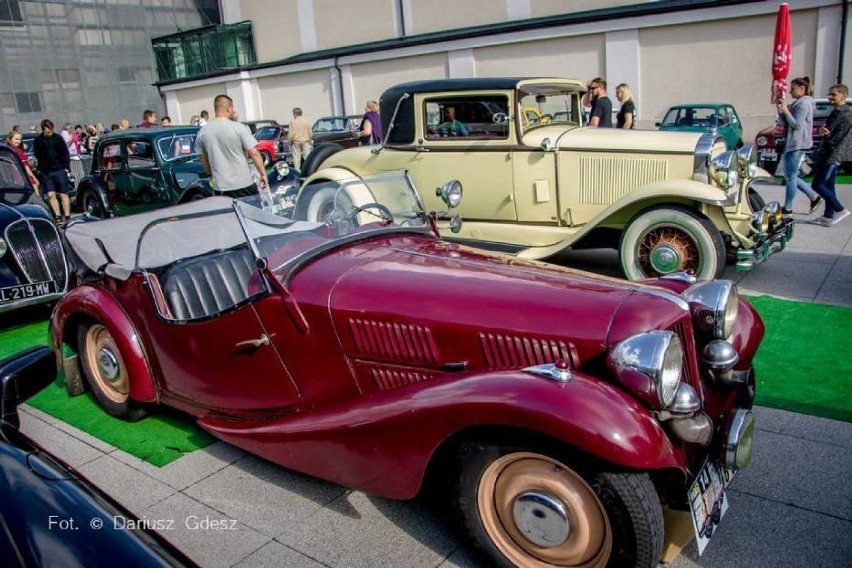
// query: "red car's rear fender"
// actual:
[[383, 443], [88, 303]]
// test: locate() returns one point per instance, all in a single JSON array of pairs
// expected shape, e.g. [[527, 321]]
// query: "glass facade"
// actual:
[[198, 52], [86, 61]]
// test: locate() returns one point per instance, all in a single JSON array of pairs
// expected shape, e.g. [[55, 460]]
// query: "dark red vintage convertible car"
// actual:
[[564, 410]]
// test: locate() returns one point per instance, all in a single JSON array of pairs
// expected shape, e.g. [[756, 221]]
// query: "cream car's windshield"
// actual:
[[540, 105]]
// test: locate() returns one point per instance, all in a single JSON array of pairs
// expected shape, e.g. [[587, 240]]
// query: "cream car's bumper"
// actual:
[[765, 245]]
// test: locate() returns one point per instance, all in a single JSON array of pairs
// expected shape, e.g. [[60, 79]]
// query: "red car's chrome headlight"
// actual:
[[650, 365]]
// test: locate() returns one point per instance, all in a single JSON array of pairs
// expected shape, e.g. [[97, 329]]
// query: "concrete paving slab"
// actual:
[[841, 270], [265, 496], [274, 555], [371, 531], [835, 292], [463, 557], [788, 277], [820, 430], [228, 544], [130, 487], [43, 416], [189, 468], [765, 533], [800, 472], [66, 447]]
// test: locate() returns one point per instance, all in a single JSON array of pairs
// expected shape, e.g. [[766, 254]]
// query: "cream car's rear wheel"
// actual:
[[531, 509], [106, 371], [671, 239]]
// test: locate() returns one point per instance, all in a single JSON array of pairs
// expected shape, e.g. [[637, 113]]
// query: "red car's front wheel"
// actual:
[[527, 508]]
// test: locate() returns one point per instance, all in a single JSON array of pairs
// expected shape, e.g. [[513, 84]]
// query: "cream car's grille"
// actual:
[[607, 179]]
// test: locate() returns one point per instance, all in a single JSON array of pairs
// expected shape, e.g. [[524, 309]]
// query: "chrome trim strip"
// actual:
[[550, 371]]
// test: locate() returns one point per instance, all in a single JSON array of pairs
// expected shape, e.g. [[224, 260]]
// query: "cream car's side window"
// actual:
[[467, 118]]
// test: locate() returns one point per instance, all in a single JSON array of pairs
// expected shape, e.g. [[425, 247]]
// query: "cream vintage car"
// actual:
[[668, 201]]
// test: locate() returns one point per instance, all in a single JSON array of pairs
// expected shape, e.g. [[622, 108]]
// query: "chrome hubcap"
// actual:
[[665, 258], [108, 364], [541, 518]]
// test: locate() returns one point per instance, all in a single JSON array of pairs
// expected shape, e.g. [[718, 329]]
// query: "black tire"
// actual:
[[266, 158], [671, 238], [846, 168], [755, 200], [317, 156], [610, 519], [90, 203], [106, 373]]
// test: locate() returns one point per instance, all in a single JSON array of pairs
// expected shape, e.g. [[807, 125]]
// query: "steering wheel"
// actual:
[[383, 212]]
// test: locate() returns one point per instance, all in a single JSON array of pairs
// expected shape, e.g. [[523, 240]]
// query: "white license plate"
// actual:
[[26, 291], [769, 154], [708, 500]]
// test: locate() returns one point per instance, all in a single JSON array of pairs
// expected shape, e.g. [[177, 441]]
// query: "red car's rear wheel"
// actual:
[[106, 372]]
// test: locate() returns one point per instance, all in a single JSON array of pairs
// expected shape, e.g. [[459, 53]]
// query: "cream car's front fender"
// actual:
[[693, 194]]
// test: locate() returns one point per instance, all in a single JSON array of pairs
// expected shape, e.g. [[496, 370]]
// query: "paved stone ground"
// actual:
[[791, 507]]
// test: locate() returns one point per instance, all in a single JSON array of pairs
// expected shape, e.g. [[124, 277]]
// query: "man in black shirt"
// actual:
[[601, 115], [836, 149], [53, 163]]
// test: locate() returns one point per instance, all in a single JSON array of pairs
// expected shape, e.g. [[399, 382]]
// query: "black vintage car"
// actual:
[[50, 515], [33, 267], [141, 169]]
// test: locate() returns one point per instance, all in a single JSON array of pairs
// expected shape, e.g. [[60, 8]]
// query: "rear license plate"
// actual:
[[708, 500], [26, 291]]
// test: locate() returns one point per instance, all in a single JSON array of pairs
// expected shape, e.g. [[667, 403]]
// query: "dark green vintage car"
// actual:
[[142, 169]]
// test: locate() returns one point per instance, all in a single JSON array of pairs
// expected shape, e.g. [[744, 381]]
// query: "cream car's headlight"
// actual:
[[760, 221], [649, 364], [3, 247], [747, 159], [724, 170], [714, 305], [451, 193]]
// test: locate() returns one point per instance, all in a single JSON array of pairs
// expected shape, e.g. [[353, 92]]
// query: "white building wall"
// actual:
[[708, 55]]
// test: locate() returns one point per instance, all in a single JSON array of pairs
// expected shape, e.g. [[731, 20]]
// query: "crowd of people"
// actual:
[[221, 137]]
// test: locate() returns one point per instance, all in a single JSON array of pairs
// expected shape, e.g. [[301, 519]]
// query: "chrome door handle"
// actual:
[[253, 343]]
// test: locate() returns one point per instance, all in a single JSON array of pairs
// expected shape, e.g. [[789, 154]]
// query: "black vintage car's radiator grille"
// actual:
[[38, 251]]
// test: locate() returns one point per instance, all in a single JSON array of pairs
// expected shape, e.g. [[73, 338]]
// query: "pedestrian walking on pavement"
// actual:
[[799, 118], [601, 113], [836, 149], [53, 164], [222, 146], [299, 137]]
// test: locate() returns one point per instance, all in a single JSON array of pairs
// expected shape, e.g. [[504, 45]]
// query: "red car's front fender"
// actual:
[[382, 443], [88, 303]]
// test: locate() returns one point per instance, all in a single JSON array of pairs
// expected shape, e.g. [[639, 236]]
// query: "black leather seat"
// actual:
[[208, 285]]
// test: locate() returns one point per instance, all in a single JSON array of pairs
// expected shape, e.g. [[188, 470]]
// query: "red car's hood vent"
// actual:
[[398, 342], [514, 352], [387, 378]]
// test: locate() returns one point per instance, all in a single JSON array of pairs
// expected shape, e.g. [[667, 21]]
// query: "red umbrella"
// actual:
[[782, 54]]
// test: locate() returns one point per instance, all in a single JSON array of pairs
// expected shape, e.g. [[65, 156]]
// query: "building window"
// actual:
[[28, 102], [10, 11], [126, 75]]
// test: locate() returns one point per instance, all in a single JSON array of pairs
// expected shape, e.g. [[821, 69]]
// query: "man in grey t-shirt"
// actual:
[[222, 145]]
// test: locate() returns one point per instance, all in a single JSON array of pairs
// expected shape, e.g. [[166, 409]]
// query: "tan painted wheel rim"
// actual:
[[104, 360], [667, 249], [589, 541]]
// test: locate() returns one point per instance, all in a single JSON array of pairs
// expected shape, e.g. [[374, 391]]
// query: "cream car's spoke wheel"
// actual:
[[671, 238], [104, 360], [668, 249], [538, 512]]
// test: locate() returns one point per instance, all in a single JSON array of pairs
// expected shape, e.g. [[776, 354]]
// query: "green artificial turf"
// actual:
[[803, 365], [158, 439], [804, 362]]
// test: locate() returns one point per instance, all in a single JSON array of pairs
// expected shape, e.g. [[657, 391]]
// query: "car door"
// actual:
[[213, 350], [479, 155], [139, 183]]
